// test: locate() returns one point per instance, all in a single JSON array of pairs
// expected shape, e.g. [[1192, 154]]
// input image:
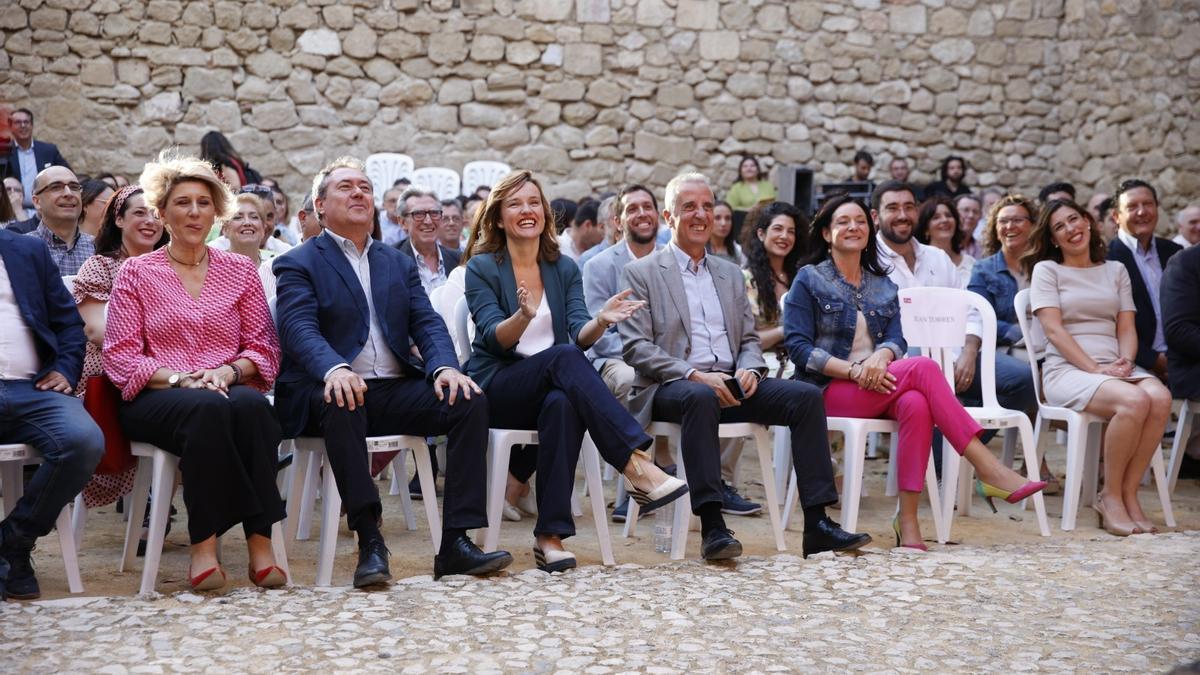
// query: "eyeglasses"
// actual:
[[60, 186], [434, 215], [260, 190], [1015, 220]]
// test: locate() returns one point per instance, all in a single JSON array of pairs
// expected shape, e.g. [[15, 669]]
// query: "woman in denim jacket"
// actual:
[[842, 330]]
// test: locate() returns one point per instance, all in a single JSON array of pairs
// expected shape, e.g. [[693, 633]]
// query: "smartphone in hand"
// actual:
[[735, 388]]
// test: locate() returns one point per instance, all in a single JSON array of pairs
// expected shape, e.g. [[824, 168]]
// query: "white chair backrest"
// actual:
[[69, 281], [385, 168], [444, 182], [462, 321], [934, 319], [476, 174], [271, 307], [1035, 339]]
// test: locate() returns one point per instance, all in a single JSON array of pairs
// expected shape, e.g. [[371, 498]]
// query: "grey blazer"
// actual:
[[601, 281], [657, 340]]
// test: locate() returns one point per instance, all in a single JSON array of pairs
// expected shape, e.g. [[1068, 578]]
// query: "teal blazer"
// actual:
[[492, 298]]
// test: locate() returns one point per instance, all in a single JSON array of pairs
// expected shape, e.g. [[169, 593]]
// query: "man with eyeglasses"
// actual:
[[27, 157], [421, 217], [58, 198]]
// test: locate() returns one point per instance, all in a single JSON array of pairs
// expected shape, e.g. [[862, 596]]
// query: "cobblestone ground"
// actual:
[[1101, 605]]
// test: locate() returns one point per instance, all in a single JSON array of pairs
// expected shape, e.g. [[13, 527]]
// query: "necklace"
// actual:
[[199, 262]]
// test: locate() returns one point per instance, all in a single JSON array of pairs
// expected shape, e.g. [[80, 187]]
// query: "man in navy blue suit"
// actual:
[[1144, 256], [27, 157], [41, 355], [348, 309]]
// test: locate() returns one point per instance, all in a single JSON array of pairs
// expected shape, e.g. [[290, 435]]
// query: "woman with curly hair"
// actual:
[[191, 345], [774, 247]]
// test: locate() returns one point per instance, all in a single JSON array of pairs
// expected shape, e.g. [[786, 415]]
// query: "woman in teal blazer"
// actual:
[[532, 327]]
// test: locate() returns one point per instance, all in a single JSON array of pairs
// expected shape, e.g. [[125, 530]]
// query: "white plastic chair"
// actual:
[[500, 444], [157, 467], [1083, 439], [13, 459], [1183, 430], [683, 506], [384, 169], [310, 454], [444, 182], [482, 173], [919, 309]]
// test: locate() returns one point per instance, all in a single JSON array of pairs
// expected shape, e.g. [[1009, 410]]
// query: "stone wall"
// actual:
[[594, 93]]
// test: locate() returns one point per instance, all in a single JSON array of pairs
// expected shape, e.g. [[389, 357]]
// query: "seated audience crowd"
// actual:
[[194, 293]]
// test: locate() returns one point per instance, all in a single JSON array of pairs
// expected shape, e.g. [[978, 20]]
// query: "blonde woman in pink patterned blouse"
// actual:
[[191, 345], [128, 228]]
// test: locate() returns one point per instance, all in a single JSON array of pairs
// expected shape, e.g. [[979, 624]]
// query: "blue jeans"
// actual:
[[70, 443]]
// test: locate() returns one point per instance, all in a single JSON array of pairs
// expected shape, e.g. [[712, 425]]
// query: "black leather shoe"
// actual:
[[462, 556], [372, 564], [829, 536], [16, 550], [719, 544]]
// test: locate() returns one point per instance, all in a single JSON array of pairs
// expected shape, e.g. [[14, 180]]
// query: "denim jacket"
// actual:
[[991, 278], [821, 312]]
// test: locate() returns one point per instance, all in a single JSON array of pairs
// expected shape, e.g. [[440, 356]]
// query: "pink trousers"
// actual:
[[922, 399]]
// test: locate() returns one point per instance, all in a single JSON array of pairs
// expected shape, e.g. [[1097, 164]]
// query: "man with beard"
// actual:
[[894, 210], [953, 174], [57, 197]]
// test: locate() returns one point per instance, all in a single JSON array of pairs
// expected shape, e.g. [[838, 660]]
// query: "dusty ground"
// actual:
[[412, 553], [999, 598]]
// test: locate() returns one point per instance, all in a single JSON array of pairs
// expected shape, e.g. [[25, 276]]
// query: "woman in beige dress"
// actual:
[[1085, 306]]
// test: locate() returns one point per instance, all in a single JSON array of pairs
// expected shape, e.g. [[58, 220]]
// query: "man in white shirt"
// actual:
[[585, 231], [390, 224], [894, 210], [421, 217], [1188, 222]]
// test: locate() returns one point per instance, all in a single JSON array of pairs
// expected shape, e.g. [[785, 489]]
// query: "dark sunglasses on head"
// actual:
[[259, 190]]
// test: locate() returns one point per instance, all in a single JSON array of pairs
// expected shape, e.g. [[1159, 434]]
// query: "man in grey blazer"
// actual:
[[699, 363], [637, 213]]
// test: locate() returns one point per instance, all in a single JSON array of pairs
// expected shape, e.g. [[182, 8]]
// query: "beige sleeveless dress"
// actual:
[[1089, 299]]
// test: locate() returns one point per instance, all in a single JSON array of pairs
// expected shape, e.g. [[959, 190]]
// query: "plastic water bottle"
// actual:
[[664, 517]]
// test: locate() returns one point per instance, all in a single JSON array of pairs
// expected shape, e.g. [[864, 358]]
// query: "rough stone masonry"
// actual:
[[594, 93]]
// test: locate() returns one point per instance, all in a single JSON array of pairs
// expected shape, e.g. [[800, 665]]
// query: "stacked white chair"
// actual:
[[924, 314], [1083, 431], [156, 475], [384, 169], [13, 459], [444, 182], [482, 173]]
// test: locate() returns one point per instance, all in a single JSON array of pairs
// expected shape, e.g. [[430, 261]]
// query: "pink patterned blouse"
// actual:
[[153, 322], [94, 282]]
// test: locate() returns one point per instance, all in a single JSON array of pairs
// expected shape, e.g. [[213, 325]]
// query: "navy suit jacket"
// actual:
[[450, 256], [1181, 322], [323, 320], [45, 304], [492, 297], [25, 226], [1146, 321], [44, 155]]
